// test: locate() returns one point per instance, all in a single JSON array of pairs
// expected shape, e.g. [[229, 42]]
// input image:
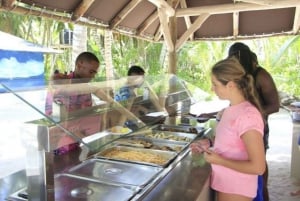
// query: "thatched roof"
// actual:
[[193, 19], [172, 21]]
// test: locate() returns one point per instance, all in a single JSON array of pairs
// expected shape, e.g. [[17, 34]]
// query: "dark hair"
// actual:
[[254, 58], [86, 56], [135, 70], [243, 53], [230, 69]]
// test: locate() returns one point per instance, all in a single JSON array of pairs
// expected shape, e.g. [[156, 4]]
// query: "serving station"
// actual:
[[137, 149]]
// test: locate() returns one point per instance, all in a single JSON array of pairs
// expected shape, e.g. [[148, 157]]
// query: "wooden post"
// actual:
[[172, 53]]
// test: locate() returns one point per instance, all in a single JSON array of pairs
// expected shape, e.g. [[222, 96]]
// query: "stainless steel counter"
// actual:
[[182, 179], [184, 182]]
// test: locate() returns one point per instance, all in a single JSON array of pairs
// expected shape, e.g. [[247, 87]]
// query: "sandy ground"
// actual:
[[281, 184]]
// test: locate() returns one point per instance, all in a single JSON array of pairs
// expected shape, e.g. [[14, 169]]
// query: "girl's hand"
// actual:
[[200, 146], [212, 157]]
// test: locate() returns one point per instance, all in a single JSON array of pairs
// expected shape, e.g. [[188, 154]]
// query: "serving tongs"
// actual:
[[200, 118]]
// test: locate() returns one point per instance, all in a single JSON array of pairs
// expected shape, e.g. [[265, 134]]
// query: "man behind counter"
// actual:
[[86, 67], [134, 74], [126, 94]]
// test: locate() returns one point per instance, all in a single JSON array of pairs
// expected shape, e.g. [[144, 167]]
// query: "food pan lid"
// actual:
[[75, 188], [116, 172]]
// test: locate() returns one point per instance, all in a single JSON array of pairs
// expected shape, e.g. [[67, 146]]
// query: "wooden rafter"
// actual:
[[198, 22], [81, 9], [158, 34], [187, 19], [123, 13], [147, 23], [162, 4], [174, 4], [165, 29], [235, 22], [259, 2], [296, 26], [168, 7], [238, 7]]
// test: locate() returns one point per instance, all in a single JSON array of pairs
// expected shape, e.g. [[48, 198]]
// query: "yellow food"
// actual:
[[136, 156], [119, 129]]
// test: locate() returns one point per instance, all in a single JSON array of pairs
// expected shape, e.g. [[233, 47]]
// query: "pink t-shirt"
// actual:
[[235, 121]]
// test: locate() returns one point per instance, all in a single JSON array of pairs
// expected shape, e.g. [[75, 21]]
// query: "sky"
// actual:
[[20, 64]]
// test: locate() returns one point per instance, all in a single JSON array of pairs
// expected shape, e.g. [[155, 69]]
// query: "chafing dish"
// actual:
[[117, 172], [74, 188], [159, 144], [138, 155], [171, 136]]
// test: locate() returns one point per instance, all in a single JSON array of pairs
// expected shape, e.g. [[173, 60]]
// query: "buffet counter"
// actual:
[[185, 182], [133, 150], [184, 178]]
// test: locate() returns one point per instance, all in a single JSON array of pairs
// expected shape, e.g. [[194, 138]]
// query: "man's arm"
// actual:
[[268, 91]]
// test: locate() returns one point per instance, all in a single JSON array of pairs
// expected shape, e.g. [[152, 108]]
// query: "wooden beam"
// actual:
[[296, 25], [55, 16], [172, 55], [147, 23], [8, 3], [163, 18], [238, 7], [235, 22], [81, 9], [162, 4], [123, 13], [259, 2], [187, 19], [158, 34], [198, 22]]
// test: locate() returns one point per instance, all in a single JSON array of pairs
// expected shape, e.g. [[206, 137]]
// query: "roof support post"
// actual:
[[172, 58]]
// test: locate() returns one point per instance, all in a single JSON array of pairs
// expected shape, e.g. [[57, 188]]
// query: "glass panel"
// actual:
[[72, 110], [68, 121]]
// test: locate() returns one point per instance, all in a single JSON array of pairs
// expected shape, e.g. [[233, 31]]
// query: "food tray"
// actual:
[[73, 188], [180, 129], [117, 172], [138, 155], [171, 136], [147, 143]]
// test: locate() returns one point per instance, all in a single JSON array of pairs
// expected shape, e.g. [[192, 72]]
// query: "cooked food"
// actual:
[[162, 135], [148, 145], [120, 129], [133, 155], [178, 129]]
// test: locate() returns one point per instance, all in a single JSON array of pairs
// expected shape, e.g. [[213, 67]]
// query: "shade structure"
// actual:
[[173, 22]]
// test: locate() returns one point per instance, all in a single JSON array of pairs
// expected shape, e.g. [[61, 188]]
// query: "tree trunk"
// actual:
[[79, 43], [108, 54]]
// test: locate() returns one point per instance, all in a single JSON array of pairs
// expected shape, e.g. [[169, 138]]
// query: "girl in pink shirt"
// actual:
[[237, 157]]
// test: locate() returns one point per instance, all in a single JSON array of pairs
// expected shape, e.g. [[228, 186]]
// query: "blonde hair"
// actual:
[[230, 69]]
